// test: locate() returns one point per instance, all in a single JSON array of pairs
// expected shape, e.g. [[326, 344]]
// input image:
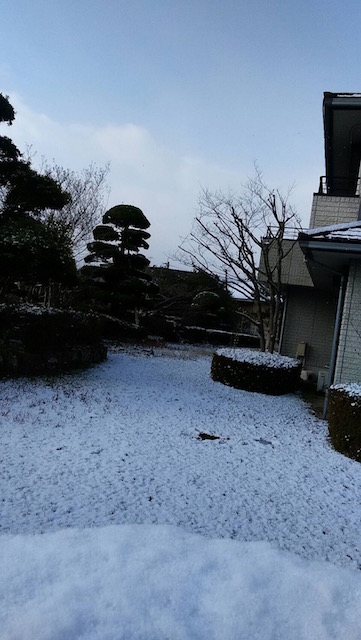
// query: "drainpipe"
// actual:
[[335, 340], [283, 322]]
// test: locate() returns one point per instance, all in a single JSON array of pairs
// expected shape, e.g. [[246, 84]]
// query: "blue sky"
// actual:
[[179, 95]]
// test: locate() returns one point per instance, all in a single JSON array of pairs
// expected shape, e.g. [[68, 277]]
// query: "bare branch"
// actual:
[[244, 236], [89, 194]]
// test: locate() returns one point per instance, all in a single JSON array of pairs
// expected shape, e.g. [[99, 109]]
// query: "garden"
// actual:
[[121, 518]]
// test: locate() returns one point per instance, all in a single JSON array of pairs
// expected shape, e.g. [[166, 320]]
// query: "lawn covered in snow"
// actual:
[[119, 445]]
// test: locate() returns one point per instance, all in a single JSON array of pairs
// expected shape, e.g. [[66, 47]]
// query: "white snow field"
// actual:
[[104, 482]]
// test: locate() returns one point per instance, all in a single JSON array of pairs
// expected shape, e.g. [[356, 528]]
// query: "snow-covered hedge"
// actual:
[[35, 340], [344, 419], [253, 370]]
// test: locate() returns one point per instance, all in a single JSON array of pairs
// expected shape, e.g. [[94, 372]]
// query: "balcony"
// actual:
[[339, 186]]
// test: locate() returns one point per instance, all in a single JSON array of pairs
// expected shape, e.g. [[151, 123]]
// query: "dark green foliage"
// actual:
[[30, 193], [8, 151], [41, 329], [134, 239], [34, 340], [115, 270], [7, 113], [101, 251], [194, 298], [344, 422], [136, 261], [125, 215], [105, 233], [32, 252], [255, 377]]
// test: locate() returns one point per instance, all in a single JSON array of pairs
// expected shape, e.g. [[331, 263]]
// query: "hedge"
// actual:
[[36, 340], [344, 419], [253, 370]]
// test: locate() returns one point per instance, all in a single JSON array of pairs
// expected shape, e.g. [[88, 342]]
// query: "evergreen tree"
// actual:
[[30, 250], [115, 265]]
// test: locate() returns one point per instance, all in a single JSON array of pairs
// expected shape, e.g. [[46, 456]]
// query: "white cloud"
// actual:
[[142, 172]]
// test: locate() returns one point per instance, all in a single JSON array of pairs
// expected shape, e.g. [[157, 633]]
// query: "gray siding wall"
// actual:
[[310, 318], [293, 267], [329, 210], [348, 363]]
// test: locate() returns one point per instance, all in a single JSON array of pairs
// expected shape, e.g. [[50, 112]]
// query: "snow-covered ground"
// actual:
[[120, 445]]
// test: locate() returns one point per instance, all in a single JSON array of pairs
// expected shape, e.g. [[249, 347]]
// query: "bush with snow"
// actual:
[[253, 370], [344, 419], [37, 340]]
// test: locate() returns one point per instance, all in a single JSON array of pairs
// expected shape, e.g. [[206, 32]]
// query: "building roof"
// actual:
[[330, 250], [346, 231]]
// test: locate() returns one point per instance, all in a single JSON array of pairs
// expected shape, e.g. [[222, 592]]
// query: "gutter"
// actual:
[[329, 246]]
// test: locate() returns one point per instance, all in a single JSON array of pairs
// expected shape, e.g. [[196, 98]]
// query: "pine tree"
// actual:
[[115, 265]]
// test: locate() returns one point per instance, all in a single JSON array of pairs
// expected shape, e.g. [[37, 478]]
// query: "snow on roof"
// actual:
[[344, 231], [347, 95], [259, 358]]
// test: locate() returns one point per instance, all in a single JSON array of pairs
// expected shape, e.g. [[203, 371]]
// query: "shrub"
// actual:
[[41, 329], [344, 419], [253, 370], [37, 340]]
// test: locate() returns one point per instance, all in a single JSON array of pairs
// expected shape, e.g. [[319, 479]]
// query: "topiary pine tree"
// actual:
[[115, 265]]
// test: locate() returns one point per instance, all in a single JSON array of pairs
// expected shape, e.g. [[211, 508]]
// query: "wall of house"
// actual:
[[348, 362], [293, 267], [329, 210], [310, 316]]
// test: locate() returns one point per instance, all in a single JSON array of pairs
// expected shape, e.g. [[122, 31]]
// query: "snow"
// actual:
[[259, 358], [117, 521], [353, 389], [342, 231], [145, 582]]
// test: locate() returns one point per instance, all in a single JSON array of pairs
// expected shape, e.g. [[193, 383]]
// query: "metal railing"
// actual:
[[339, 186]]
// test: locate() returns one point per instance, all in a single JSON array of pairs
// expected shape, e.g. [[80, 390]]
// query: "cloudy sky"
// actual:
[[179, 94]]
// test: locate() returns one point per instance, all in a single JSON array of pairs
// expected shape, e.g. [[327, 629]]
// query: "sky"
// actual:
[[178, 96]]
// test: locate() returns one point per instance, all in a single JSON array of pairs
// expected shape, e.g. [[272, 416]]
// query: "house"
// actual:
[[322, 274]]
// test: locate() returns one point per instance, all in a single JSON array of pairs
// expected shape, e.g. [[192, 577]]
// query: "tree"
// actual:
[[23, 190], [115, 265], [191, 296], [243, 239], [88, 192], [30, 251]]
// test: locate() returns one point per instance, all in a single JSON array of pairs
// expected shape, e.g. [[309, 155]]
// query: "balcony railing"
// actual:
[[339, 186]]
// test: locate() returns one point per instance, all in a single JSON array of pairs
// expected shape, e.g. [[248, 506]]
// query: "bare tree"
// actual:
[[242, 238], [89, 194]]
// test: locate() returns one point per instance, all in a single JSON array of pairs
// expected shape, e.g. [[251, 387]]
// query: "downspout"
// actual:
[[335, 340], [283, 322]]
